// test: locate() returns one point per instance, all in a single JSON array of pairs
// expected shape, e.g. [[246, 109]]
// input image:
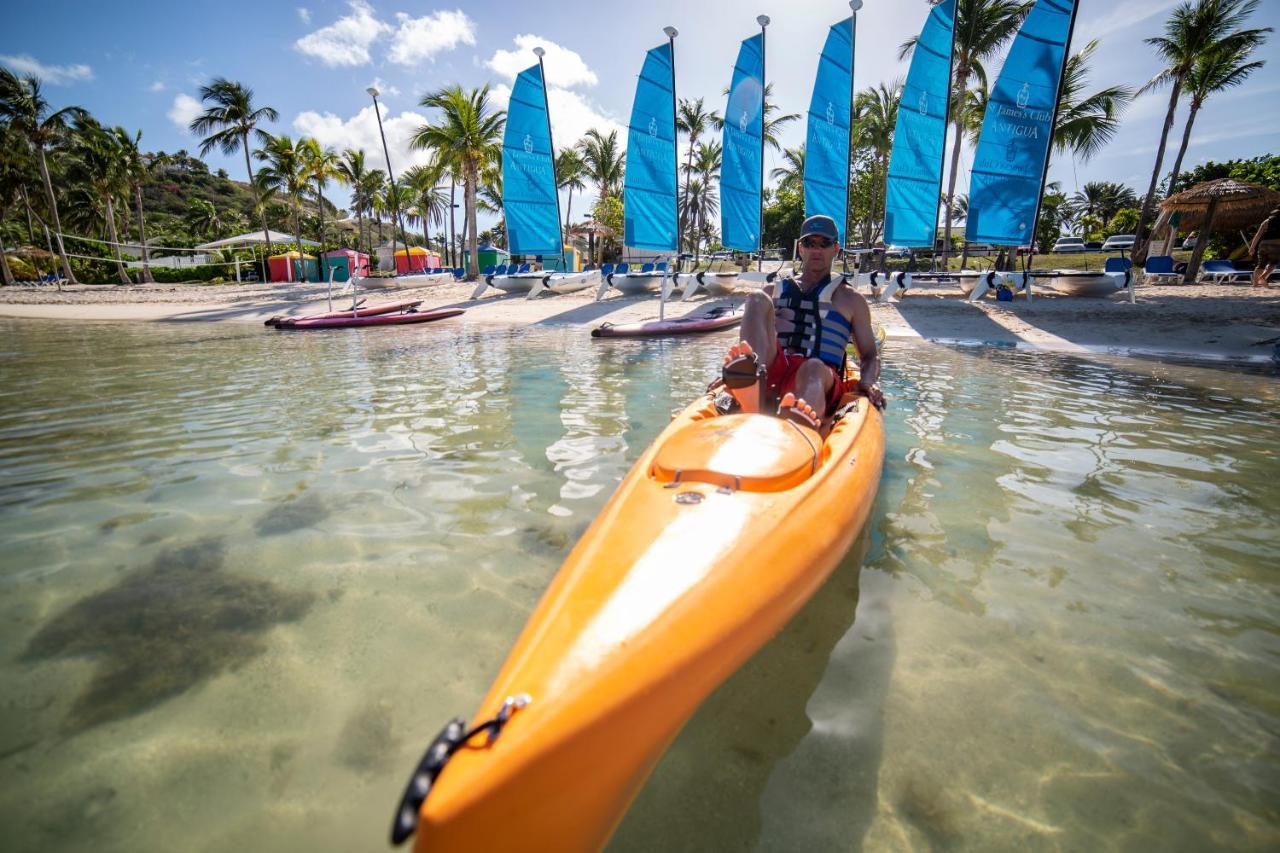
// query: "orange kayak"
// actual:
[[721, 531]]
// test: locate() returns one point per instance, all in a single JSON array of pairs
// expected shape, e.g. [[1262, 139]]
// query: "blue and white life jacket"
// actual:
[[809, 324]]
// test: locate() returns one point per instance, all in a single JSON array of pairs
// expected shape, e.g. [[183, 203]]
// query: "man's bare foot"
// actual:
[[741, 375], [798, 411]]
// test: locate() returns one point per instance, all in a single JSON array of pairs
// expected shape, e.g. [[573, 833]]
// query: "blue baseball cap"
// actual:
[[822, 226]]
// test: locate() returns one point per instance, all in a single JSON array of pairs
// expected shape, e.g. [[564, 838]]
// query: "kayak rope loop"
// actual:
[[451, 738]]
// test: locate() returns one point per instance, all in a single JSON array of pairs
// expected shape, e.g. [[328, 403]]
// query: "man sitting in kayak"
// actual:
[[794, 334]]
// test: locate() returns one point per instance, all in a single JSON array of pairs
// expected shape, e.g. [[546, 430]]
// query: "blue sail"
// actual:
[[1008, 164], [740, 170], [915, 168], [649, 187], [529, 197], [826, 159]]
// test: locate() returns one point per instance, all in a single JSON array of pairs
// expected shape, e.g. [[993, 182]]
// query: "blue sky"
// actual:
[[140, 65]]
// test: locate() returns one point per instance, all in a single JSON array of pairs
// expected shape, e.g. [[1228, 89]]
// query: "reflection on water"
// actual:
[[246, 576]]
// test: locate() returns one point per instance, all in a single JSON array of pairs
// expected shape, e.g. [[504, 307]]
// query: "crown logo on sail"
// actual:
[[528, 144], [653, 126], [924, 104], [831, 113], [742, 122], [1024, 95]]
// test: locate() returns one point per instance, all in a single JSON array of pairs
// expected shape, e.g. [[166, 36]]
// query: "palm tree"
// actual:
[[693, 120], [489, 198], [226, 124], [136, 170], [1196, 29], [605, 163], [11, 179], [202, 219], [1086, 123], [791, 173], [468, 136], [24, 108], [366, 194], [570, 170], [430, 201], [284, 173], [982, 29], [350, 170], [1212, 72], [773, 124], [321, 166], [96, 167], [875, 116]]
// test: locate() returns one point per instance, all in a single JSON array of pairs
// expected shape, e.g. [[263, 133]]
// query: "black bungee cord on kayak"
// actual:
[[451, 738]]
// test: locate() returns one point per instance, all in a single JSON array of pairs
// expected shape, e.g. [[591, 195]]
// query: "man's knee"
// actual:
[[756, 302], [815, 370]]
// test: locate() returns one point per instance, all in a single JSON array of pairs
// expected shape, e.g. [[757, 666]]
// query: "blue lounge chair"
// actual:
[[524, 268], [1222, 272], [1159, 268], [661, 266], [459, 272], [621, 269], [1117, 265], [606, 270], [488, 270], [646, 268]]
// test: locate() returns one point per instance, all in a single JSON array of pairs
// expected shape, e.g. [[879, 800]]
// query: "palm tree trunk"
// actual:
[[471, 180], [453, 222], [26, 202], [5, 273], [688, 170], [1140, 242], [320, 207], [115, 243], [266, 234], [359, 227], [962, 80], [568, 208], [1186, 138], [142, 239], [53, 210], [297, 235]]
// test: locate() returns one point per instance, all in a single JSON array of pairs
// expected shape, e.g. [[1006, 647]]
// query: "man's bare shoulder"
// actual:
[[848, 301]]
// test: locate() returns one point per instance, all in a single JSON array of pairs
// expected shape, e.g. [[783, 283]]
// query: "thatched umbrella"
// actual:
[[591, 228], [1223, 204]]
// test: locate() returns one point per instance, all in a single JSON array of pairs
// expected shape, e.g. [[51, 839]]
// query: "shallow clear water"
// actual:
[[246, 576]]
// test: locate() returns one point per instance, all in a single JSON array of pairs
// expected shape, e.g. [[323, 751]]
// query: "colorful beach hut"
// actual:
[[343, 262], [415, 259], [291, 266]]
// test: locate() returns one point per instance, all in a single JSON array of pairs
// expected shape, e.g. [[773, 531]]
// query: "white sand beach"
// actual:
[[1203, 320]]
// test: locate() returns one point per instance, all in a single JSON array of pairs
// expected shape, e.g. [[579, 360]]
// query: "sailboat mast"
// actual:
[[1053, 126], [946, 123], [855, 5], [672, 32], [763, 21], [555, 179]]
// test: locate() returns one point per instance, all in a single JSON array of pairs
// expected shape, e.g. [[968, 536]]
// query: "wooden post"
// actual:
[[1201, 242]]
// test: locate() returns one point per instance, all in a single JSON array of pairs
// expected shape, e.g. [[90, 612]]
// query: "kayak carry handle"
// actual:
[[451, 738]]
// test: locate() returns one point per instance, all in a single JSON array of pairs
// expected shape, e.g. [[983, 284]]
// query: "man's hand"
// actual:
[[873, 393]]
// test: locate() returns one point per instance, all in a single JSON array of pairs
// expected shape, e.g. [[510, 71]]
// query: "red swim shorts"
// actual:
[[782, 377]]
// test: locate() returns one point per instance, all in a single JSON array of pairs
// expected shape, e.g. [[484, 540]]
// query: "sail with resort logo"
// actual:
[[1013, 149], [529, 196], [649, 184], [915, 168], [741, 170], [826, 162]]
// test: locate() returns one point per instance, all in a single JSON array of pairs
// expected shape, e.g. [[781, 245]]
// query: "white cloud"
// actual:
[[346, 41], [157, 86], [184, 110], [422, 38], [572, 115], [304, 14], [57, 75], [1121, 17], [361, 132], [384, 88], [564, 67]]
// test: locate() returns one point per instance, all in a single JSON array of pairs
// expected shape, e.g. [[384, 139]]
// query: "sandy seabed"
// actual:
[[1232, 321]]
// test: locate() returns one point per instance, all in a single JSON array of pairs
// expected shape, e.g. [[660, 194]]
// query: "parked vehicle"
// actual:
[[897, 252], [1117, 242], [1068, 245]]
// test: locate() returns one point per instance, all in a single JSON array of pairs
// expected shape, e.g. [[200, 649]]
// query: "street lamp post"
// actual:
[[395, 196]]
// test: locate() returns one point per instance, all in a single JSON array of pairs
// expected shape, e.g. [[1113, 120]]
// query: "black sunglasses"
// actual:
[[817, 243]]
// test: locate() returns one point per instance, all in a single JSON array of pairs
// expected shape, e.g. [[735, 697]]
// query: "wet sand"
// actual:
[[1228, 321]]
